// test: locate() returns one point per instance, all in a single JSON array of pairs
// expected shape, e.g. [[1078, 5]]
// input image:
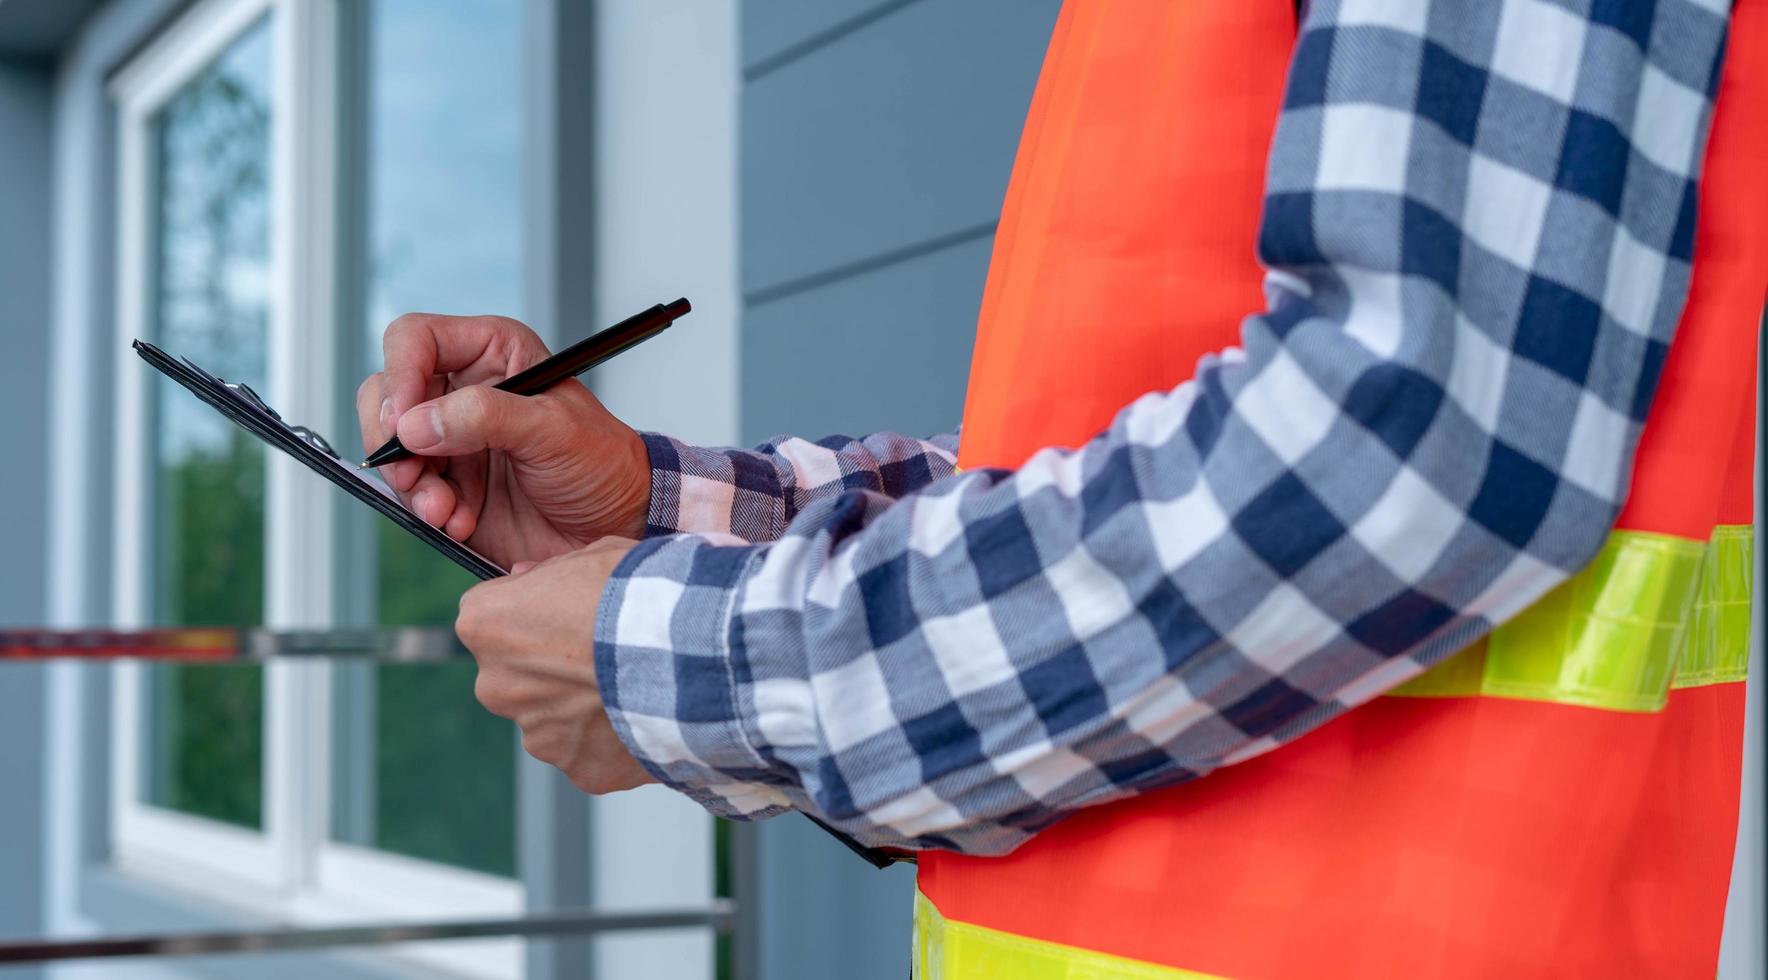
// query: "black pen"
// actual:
[[568, 363]]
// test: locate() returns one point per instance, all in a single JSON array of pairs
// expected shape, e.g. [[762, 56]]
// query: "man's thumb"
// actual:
[[470, 420]]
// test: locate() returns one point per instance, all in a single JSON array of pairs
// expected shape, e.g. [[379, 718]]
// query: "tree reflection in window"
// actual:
[[210, 302], [441, 220]]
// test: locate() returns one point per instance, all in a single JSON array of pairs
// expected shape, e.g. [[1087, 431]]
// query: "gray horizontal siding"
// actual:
[[885, 350], [885, 138], [776, 31]]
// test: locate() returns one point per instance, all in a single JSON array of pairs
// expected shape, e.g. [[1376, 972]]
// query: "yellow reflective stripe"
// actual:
[[1649, 611], [947, 950], [1717, 650], [1607, 637]]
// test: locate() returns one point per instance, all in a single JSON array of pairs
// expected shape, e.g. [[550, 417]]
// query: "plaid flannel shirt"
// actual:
[[1477, 228]]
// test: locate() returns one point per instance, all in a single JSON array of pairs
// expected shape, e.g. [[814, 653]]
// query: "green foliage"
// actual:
[[444, 767], [212, 535], [416, 585], [445, 770], [209, 720], [211, 763]]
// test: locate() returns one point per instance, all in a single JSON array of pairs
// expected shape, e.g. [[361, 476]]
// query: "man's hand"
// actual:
[[533, 635], [517, 478]]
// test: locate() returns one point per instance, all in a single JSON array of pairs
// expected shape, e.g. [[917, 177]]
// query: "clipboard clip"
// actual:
[[300, 432], [245, 389]]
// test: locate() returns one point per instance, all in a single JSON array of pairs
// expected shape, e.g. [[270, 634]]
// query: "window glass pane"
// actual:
[[422, 769], [210, 303]]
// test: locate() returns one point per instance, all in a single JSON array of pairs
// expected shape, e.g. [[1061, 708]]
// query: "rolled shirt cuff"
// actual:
[[695, 489], [663, 638]]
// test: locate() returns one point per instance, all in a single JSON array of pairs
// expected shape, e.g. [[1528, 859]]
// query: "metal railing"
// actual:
[[719, 916], [212, 644], [402, 645]]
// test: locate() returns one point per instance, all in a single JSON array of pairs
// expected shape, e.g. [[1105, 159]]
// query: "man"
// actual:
[[1477, 223]]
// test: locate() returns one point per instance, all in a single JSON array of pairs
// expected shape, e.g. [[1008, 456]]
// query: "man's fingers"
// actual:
[[374, 415], [432, 499], [469, 420], [370, 398], [402, 475], [463, 522], [419, 346]]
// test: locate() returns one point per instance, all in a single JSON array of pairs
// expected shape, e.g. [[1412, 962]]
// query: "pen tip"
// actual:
[[362, 465]]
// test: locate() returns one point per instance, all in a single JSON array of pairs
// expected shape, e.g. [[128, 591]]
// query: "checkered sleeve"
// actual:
[[1478, 230], [754, 494]]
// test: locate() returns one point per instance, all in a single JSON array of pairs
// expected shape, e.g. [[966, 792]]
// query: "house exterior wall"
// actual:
[[25, 118]]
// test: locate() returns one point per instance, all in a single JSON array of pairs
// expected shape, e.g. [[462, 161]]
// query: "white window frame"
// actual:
[[148, 838], [291, 869]]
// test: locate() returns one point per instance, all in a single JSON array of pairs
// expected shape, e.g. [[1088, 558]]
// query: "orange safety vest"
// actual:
[[1560, 799]]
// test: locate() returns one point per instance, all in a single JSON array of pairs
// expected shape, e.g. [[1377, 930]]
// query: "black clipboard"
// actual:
[[238, 402]]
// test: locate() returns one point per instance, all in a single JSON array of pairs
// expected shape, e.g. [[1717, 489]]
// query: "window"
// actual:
[[441, 166], [210, 161], [195, 263], [317, 792]]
